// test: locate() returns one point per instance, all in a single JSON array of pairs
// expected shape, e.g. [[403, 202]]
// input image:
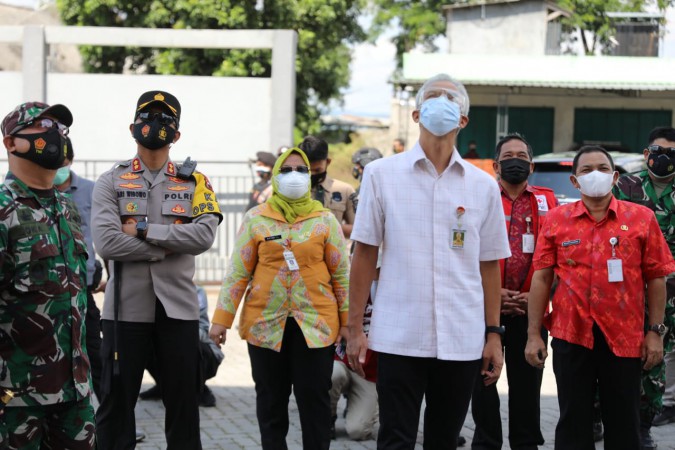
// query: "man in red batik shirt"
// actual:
[[604, 252]]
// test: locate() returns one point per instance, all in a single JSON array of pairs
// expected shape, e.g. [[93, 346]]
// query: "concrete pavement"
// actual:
[[232, 423]]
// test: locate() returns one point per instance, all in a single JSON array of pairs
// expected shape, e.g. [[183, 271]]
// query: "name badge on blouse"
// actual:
[[458, 233], [614, 265], [290, 260]]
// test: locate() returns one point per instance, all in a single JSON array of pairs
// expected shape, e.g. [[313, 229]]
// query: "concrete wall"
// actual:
[[507, 28], [564, 102]]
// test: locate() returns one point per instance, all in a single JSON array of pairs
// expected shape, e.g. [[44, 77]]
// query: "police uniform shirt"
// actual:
[[338, 197]]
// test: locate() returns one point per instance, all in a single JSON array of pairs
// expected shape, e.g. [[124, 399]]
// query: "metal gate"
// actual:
[[232, 190]]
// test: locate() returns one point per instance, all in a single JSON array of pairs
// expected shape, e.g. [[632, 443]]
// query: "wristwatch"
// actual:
[[497, 330], [658, 328], [141, 229]]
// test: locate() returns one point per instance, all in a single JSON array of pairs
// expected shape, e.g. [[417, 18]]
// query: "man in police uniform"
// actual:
[[262, 190], [335, 195], [151, 218], [43, 297]]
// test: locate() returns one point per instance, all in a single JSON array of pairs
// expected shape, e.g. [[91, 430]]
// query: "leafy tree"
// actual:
[[589, 19], [325, 29]]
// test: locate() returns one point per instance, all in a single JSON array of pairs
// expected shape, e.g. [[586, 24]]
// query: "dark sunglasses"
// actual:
[[289, 169], [164, 119], [658, 150]]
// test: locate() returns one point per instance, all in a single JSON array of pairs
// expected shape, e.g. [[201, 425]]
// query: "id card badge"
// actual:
[[528, 243], [290, 260], [614, 270], [457, 238]]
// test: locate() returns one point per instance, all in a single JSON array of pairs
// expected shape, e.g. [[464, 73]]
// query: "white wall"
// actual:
[[509, 28], [222, 119]]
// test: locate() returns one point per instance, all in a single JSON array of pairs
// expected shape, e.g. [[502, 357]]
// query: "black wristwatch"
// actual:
[[497, 330], [658, 328], [141, 229]]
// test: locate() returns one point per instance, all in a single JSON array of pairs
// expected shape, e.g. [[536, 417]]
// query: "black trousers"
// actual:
[[524, 392], [577, 369], [308, 371], [402, 383], [176, 345], [92, 323]]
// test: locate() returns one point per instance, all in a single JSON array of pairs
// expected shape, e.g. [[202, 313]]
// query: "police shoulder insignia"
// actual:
[[136, 165], [170, 169]]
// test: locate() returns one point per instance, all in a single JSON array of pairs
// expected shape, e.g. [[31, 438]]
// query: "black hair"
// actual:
[[315, 148], [512, 137], [400, 141], [590, 149], [667, 133]]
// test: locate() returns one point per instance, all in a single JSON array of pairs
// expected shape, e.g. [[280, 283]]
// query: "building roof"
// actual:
[[577, 72], [476, 3]]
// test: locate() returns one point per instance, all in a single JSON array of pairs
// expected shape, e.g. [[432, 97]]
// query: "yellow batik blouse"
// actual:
[[315, 295]]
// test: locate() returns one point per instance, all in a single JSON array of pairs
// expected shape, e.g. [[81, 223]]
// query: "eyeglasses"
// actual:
[[164, 119], [451, 94], [48, 123], [289, 169], [658, 150]]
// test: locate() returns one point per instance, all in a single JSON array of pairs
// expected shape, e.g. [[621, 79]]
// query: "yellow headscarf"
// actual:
[[292, 209]]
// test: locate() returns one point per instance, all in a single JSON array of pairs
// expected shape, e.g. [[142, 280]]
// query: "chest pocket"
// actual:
[[35, 250], [177, 197]]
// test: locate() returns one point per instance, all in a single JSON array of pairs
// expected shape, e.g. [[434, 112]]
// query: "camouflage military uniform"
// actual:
[[638, 188], [42, 305]]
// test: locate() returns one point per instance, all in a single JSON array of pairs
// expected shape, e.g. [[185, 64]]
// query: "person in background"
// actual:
[[333, 194], [210, 358], [604, 252], [435, 320], [472, 152], [45, 383], [525, 207], [654, 188], [398, 146], [291, 262], [262, 189], [361, 392]]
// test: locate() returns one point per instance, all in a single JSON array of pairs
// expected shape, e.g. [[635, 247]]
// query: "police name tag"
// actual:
[[614, 270], [528, 243], [290, 260]]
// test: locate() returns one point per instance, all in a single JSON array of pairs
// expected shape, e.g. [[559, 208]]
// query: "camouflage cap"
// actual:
[[25, 113]]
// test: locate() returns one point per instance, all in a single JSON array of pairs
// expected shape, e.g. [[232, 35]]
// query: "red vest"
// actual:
[[542, 199]]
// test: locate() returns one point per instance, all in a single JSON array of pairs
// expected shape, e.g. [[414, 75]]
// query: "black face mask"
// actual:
[[47, 149], [153, 135], [661, 166], [317, 178], [514, 170]]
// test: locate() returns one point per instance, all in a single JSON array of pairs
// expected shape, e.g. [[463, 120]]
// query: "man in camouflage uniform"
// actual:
[[655, 189], [43, 290]]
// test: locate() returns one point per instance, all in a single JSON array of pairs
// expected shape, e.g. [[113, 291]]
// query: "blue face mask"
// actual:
[[62, 175], [439, 115]]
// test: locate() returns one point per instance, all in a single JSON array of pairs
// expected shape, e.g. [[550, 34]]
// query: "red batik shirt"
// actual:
[[517, 266], [577, 248]]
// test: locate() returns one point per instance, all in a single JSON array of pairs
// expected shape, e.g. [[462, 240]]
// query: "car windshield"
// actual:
[[556, 177]]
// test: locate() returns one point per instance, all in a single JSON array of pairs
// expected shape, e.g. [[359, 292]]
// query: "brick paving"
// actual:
[[232, 423]]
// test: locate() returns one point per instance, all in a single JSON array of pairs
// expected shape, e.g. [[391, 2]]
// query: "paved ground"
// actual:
[[232, 423]]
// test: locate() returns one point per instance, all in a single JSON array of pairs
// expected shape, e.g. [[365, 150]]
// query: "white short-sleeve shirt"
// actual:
[[429, 300]]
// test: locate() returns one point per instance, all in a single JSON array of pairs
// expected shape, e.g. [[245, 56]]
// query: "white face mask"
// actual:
[[596, 184], [293, 185]]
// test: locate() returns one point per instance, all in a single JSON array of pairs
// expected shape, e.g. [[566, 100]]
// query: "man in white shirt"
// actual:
[[435, 322]]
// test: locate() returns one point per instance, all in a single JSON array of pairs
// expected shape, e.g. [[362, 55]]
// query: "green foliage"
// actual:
[[325, 29], [418, 22], [591, 15]]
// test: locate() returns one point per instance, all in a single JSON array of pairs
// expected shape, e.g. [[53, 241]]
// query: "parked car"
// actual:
[[553, 170]]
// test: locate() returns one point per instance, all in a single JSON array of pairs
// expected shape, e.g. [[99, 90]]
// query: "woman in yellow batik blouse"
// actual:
[[290, 260]]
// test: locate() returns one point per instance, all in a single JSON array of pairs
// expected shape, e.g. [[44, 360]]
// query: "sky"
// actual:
[[370, 91]]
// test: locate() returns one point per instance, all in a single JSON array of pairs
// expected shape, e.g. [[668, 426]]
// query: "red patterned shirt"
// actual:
[[517, 266], [577, 248]]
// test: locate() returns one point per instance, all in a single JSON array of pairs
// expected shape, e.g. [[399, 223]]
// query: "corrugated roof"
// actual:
[[579, 72]]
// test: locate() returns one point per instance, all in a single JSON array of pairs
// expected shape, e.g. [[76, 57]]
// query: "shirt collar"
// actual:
[[416, 154], [580, 209], [528, 188]]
